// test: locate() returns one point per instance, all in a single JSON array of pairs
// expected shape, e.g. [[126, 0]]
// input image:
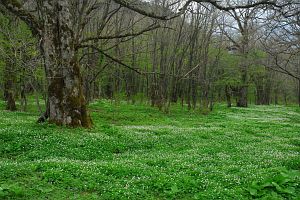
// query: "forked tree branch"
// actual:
[[17, 9], [215, 3]]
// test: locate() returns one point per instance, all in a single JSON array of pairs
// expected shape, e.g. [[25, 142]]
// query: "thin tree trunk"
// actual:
[[242, 100], [9, 84], [23, 98], [228, 96]]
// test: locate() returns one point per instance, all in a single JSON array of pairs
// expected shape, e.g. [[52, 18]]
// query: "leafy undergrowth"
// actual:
[[137, 152], [283, 184]]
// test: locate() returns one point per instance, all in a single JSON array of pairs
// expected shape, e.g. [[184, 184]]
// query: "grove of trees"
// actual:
[[192, 52]]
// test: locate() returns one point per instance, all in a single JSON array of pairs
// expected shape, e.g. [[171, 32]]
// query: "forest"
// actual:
[[149, 99]]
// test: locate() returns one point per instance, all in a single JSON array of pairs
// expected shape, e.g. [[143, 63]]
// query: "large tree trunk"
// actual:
[[66, 102]]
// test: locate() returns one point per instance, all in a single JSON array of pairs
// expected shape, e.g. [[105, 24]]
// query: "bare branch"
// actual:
[[152, 14], [150, 28], [112, 58], [16, 8]]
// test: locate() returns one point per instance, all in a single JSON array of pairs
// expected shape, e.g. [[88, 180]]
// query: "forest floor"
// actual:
[[137, 152]]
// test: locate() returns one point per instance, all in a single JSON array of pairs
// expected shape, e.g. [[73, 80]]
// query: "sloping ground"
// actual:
[[136, 152]]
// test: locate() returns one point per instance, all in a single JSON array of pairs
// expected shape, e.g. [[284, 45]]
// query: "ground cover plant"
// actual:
[[137, 152]]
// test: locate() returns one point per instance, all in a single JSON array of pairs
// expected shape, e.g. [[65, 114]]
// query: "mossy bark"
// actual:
[[66, 102]]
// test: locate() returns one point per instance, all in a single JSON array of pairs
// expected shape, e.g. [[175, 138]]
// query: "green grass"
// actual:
[[137, 152]]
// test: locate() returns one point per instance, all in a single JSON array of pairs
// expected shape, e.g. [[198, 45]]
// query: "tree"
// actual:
[[245, 29], [16, 47], [282, 42], [60, 27]]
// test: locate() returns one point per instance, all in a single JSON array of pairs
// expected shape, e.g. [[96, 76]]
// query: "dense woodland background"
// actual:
[[177, 99], [160, 52]]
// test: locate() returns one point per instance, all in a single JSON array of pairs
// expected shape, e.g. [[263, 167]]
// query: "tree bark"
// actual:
[[276, 91], [242, 97], [23, 97], [66, 102], [9, 84]]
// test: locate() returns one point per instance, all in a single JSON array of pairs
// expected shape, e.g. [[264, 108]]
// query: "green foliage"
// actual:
[[137, 152], [257, 70], [229, 63], [11, 191], [257, 54], [282, 185], [16, 49]]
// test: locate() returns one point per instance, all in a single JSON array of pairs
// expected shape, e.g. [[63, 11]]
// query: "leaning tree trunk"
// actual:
[[66, 103]]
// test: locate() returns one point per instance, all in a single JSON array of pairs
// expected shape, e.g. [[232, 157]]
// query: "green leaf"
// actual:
[[289, 190], [253, 191], [174, 189], [255, 185], [266, 184], [281, 179], [277, 186]]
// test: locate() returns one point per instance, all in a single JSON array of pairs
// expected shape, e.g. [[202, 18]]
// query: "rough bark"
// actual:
[[67, 105]]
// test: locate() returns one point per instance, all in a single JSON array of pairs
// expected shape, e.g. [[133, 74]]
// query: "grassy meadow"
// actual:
[[137, 152]]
